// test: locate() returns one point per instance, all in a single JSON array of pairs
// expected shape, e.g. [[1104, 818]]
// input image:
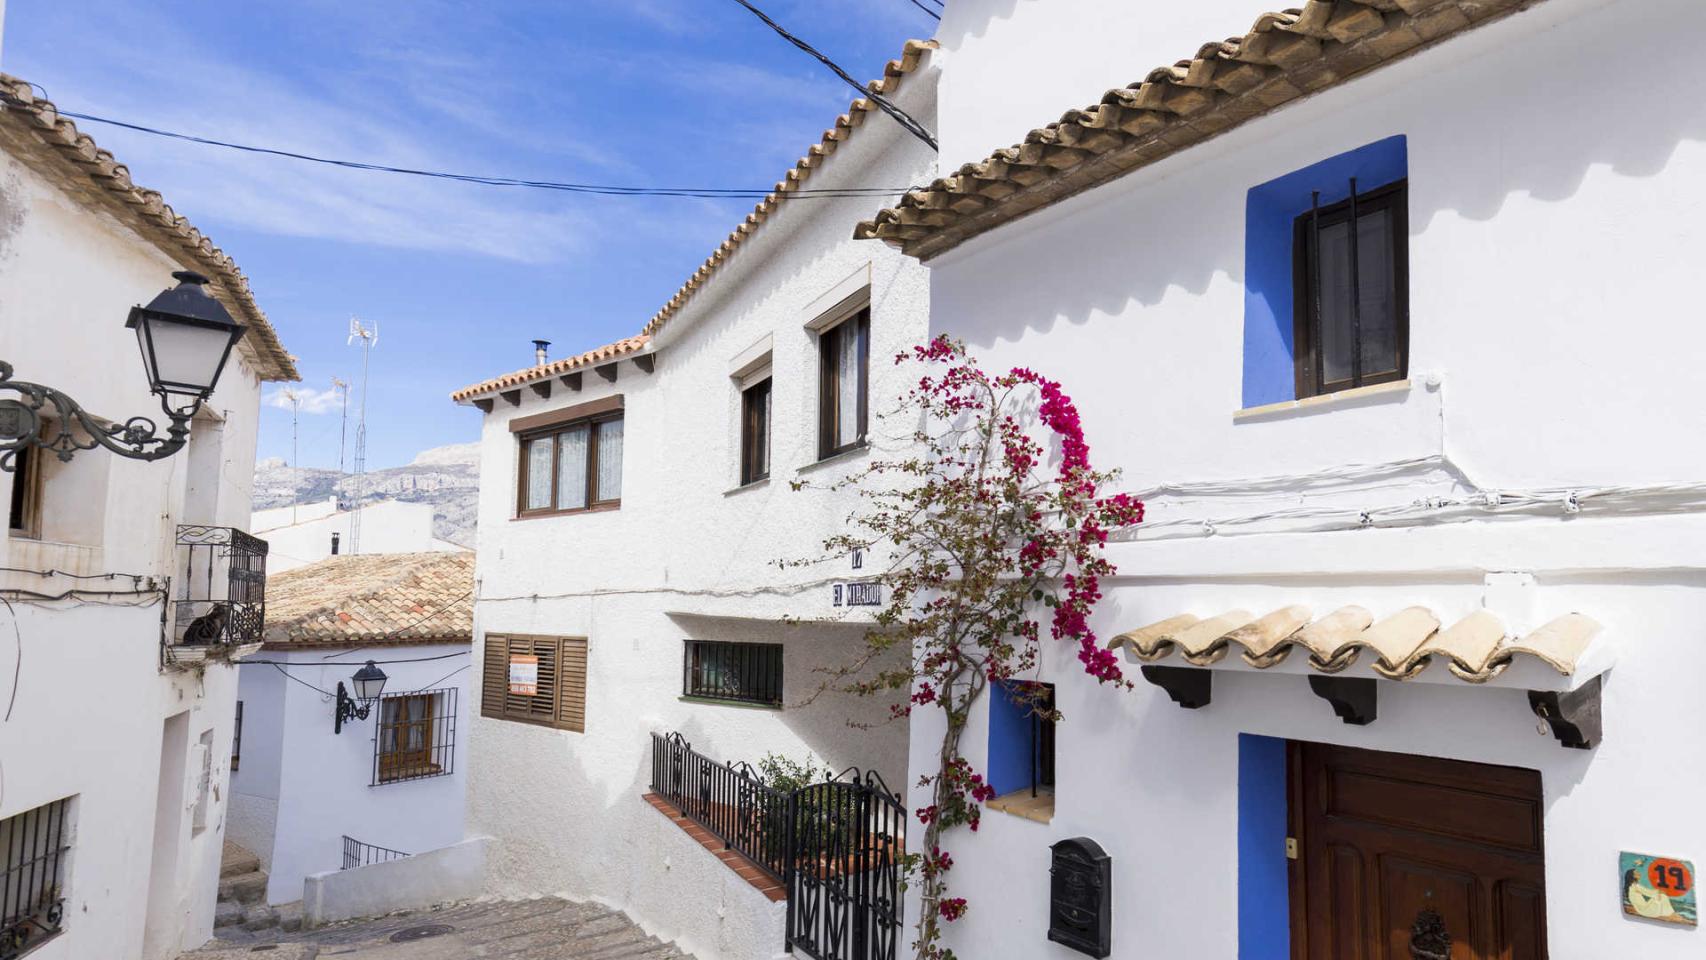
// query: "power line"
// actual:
[[900, 116], [927, 11], [610, 190]]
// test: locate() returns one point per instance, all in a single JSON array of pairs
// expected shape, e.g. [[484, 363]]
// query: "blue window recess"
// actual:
[[1270, 213], [1021, 750], [1264, 892]]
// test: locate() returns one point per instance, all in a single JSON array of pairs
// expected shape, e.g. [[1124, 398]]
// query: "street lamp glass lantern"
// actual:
[[369, 682], [186, 337]]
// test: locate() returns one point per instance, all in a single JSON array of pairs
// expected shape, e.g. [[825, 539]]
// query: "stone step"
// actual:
[[248, 887], [235, 861]]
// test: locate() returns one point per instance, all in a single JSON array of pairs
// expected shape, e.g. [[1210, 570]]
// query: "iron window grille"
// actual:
[[844, 362], [1351, 272], [222, 595], [414, 736], [33, 845], [358, 854], [237, 739], [735, 672], [572, 468], [755, 432]]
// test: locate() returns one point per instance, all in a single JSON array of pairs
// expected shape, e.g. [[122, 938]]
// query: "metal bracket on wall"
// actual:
[[1189, 687], [1574, 716], [1354, 699]]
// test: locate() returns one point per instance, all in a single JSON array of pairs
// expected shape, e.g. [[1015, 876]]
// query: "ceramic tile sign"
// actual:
[[1659, 888]]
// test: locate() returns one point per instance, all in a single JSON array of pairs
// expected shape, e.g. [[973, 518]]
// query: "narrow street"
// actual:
[[543, 929]]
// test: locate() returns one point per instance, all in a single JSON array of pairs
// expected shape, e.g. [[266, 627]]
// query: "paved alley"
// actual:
[[544, 929]]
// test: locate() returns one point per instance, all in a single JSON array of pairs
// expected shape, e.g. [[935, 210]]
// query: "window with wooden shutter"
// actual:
[[538, 680]]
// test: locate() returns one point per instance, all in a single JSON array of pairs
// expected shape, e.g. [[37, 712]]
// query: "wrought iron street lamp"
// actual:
[[369, 683], [186, 337]]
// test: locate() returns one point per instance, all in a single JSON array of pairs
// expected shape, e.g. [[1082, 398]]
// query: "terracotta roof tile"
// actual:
[[1285, 55], [912, 54], [32, 129], [391, 598], [594, 357], [1475, 648]]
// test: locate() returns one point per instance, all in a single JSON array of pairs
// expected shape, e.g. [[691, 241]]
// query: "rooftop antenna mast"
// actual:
[[343, 428], [295, 408], [369, 339]]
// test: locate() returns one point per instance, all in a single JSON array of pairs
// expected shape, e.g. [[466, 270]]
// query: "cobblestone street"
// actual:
[[544, 929]]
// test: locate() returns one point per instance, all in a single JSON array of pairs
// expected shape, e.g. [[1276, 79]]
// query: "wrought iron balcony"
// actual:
[[220, 604]]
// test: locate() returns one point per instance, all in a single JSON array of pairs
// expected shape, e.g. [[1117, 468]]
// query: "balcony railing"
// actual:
[[221, 597], [358, 854], [727, 799]]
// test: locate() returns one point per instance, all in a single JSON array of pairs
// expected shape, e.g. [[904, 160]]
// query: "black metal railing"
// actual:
[[415, 737], [32, 857], [358, 854], [222, 594], [729, 800], [741, 672]]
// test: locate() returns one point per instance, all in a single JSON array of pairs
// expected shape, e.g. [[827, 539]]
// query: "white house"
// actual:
[[316, 789], [1387, 310], [305, 533], [114, 739], [634, 501]]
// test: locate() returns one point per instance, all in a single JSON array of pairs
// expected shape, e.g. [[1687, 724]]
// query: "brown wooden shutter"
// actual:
[[494, 683], [571, 691]]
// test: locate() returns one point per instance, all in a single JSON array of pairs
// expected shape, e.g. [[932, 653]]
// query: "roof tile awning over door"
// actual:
[[1401, 646], [1559, 664]]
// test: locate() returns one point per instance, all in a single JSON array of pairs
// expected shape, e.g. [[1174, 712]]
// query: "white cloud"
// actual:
[[309, 399]]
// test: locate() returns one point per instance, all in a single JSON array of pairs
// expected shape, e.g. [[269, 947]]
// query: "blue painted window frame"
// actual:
[[1270, 216]]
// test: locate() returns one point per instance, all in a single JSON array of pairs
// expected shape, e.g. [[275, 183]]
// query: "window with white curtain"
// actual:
[[845, 351], [572, 467]]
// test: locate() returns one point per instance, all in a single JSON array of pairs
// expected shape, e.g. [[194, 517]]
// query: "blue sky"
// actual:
[[459, 277]]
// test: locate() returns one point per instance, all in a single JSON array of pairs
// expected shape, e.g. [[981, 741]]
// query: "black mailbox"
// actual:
[[1080, 897]]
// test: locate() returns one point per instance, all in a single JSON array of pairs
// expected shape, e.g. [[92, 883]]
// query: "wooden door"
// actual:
[[1413, 857]]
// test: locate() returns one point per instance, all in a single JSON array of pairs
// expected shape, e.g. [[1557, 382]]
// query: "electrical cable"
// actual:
[[275, 666], [17, 663], [702, 193], [900, 116], [445, 677], [927, 11], [293, 663]]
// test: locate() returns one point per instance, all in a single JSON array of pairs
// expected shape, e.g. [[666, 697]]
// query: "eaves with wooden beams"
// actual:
[[1285, 55], [642, 348], [32, 130]]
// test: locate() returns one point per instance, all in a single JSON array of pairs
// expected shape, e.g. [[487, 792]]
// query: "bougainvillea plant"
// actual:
[[993, 527]]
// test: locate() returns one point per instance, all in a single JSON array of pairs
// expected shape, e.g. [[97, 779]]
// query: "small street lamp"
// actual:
[[369, 683], [186, 337]]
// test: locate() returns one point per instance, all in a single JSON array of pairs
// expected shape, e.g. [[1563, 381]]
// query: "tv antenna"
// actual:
[[369, 339], [342, 389], [295, 408]]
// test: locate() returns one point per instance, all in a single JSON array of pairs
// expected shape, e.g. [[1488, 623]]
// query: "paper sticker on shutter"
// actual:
[[524, 674]]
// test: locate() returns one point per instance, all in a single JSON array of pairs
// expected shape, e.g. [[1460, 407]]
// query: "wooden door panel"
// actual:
[[1435, 808], [1408, 887], [1520, 910], [1346, 886], [1386, 837]]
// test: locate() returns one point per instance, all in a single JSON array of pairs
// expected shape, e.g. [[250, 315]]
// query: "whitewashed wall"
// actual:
[[94, 717], [689, 557], [390, 526], [1553, 265], [301, 788]]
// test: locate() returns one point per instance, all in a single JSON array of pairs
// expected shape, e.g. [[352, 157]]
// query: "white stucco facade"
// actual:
[[299, 535], [1552, 345], [300, 788], [690, 555], [140, 752]]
